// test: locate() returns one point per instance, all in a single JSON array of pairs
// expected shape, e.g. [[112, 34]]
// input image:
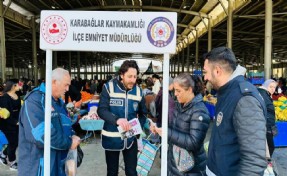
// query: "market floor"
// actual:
[[94, 161]]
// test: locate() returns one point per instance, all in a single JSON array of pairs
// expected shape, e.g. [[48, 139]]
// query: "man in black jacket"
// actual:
[[238, 141]]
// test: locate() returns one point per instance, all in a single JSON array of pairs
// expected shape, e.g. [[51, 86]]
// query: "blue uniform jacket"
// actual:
[[31, 135], [237, 142], [117, 102]]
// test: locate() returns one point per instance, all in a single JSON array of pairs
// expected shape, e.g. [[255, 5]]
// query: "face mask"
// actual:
[[279, 90]]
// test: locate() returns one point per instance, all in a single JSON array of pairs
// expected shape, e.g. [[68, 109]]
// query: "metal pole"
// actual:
[[97, 71], [182, 60], [178, 59], [196, 50], [174, 64], [78, 65], [2, 42], [268, 39], [86, 66], [19, 73], [28, 72], [101, 67], [229, 23], [165, 114], [70, 62], [13, 65], [261, 58], [34, 51], [48, 98], [188, 58], [209, 35], [105, 69], [55, 64], [92, 69]]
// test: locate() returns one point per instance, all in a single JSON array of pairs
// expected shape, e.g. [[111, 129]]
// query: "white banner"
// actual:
[[109, 31]]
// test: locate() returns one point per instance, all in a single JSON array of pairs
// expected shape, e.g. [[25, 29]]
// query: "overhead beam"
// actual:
[[68, 3], [194, 13], [17, 18], [7, 7], [224, 8], [250, 33], [46, 5], [182, 25], [58, 4], [35, 7], [259, 17]]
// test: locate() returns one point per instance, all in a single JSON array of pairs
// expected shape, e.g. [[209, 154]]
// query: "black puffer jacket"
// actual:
[[188, 130], [270, 121]]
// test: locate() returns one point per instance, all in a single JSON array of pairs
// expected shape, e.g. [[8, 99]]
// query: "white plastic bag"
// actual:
[[269, 171], [71, 163]]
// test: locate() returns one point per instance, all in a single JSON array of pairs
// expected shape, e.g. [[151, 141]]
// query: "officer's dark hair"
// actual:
[[185, 80], [222, 56], [128, 64]]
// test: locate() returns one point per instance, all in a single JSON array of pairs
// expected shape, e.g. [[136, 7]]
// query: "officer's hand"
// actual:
[[158, 131], [152, 128], [124, 124], [75, 141]]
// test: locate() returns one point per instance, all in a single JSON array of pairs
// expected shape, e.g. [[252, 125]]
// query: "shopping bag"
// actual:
[[146, 157], [269, 170], [80, 156], [71, 163]]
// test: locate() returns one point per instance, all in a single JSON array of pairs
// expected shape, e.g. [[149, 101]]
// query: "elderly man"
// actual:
[[31, 129], [238, 141]]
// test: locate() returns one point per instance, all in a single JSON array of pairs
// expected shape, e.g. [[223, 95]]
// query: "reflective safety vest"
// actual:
[[123, 104]]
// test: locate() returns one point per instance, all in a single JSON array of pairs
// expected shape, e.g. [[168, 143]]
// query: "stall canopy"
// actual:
[[149, 70]]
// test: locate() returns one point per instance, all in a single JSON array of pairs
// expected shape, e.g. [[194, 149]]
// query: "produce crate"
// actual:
[[92, 103], [256, 80], [211, 109], [3, 140], [91, 125], [281, 139]]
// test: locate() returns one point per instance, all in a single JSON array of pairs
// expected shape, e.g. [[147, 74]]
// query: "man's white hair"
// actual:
[[59, 73]]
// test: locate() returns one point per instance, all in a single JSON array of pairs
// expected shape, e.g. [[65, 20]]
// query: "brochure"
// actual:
[[135, 130]]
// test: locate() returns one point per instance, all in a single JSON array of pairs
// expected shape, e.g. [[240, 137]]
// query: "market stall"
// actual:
[[3, 140], [210, 101], [281, 121]]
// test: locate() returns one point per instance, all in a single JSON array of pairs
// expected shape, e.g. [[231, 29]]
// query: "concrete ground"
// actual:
[[94, 161]]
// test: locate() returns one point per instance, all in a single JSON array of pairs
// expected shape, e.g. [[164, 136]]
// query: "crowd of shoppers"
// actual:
[[244, 114]]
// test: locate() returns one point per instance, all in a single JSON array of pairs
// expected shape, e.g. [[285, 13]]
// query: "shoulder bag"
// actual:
[[184, 160]]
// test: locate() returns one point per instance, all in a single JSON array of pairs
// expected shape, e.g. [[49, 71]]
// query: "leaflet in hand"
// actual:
[[135, 129]]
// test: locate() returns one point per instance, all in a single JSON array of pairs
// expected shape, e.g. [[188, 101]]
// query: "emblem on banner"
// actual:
[[160, 32], [54, 29]]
